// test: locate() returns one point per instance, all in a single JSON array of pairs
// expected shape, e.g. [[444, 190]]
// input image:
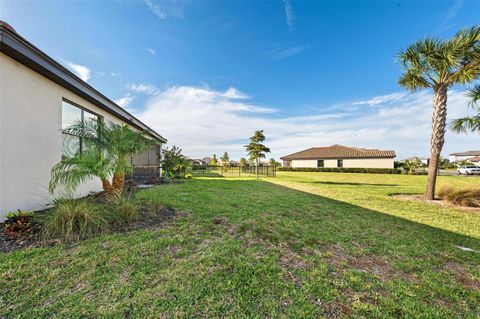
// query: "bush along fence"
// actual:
[[232, 171]]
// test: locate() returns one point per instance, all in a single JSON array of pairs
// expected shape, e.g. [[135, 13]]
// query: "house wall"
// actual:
[[348, 163], [369, 163], [457, 158], [30, 136]]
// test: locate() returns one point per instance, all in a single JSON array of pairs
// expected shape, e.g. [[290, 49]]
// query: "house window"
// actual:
[[339, 163], [71, 114], [320, 163]]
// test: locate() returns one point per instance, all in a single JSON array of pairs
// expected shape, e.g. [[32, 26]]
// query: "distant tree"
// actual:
[[410, 166], [172, 161], [464, 163], [225, 159], [256, 150], [243, 162], [213, 161], [273, 162], [440, 64]]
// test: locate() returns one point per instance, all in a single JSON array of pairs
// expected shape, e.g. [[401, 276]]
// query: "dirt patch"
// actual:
[[150, 221], [462, 276], [373, 264], [438, 202]]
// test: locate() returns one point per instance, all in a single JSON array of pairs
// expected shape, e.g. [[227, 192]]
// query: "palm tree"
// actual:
[[182, 165], [472, 123], [440, 64], [106, 153]]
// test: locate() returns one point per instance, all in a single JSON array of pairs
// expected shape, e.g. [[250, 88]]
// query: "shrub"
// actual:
[[75, 219], [19, 223], [341, 170], [469, 197], [188, 176], [124, 212]]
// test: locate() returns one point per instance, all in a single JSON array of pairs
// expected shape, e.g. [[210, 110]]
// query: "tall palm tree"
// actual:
[[472, 123], [440, 64], [105, 155]]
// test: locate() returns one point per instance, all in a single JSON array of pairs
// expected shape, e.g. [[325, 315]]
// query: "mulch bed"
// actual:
[[9, 243], [439, 202]]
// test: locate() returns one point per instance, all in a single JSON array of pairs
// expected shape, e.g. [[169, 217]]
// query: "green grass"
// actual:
[[301, 245]]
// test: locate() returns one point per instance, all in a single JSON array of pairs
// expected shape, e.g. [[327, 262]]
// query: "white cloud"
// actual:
[[156, 9], [124, 101], [151, 51], [165, 9], [280, 54], [81, 71], [144, 88], [203, 121], [290, 17], [382, 99]]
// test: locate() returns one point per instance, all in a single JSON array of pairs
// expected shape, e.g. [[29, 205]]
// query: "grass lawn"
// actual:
[[301, 245]]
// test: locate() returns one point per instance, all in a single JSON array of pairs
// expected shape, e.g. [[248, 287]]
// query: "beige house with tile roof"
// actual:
[[338, 156]]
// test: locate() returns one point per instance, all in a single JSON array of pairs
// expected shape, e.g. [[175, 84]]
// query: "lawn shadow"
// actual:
[[337, 218], [349, 183]]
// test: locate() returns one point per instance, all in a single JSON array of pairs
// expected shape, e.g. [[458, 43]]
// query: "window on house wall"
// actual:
[[339, 163], [320, 163], [71, 114]]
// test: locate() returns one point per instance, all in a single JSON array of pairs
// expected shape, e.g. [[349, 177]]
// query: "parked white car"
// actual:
[[468, 170]]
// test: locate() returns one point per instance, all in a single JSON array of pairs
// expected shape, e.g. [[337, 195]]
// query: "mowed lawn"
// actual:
[[301, 245]]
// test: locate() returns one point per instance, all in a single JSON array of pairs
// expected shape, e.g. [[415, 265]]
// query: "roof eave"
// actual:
[[21, 50]]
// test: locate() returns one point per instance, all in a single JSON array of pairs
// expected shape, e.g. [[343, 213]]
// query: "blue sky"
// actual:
[[206, 74]]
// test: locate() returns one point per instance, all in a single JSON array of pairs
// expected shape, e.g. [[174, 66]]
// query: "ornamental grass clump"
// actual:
[[124, 212], [75, 219], [468, 197]]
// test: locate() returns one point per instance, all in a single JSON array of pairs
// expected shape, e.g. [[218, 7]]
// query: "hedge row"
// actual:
[[341, 170]]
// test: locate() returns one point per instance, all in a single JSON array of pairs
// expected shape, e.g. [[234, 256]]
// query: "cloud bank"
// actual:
[[204, 121]]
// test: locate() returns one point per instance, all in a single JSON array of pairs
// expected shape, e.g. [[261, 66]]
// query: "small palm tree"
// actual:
[[472, 123], [108, 148], [182, 165], [437, 64]]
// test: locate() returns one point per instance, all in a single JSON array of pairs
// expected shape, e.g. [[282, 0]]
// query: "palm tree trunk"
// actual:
[[107, 188], [439, 119], [118, 181], [256, 169]]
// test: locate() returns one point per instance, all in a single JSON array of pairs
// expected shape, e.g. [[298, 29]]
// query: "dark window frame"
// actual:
[[82, 117], [340, 163], [322, 163]]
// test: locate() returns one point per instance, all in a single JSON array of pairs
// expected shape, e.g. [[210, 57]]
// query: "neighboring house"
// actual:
[[422, 160], [39, 97], [340, 156], [196, 161], [475, 160], [463, 156]]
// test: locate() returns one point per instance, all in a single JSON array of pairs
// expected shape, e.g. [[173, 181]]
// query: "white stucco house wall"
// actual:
[[463, 156], [39, 97], [338, 156]]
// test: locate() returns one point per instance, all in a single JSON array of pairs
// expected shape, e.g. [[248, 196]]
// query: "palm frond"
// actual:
[[474, 95], [463, 125]]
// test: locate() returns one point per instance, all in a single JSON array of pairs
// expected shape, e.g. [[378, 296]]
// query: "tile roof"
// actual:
[[467, 153], [339, 151], [474, 159]]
